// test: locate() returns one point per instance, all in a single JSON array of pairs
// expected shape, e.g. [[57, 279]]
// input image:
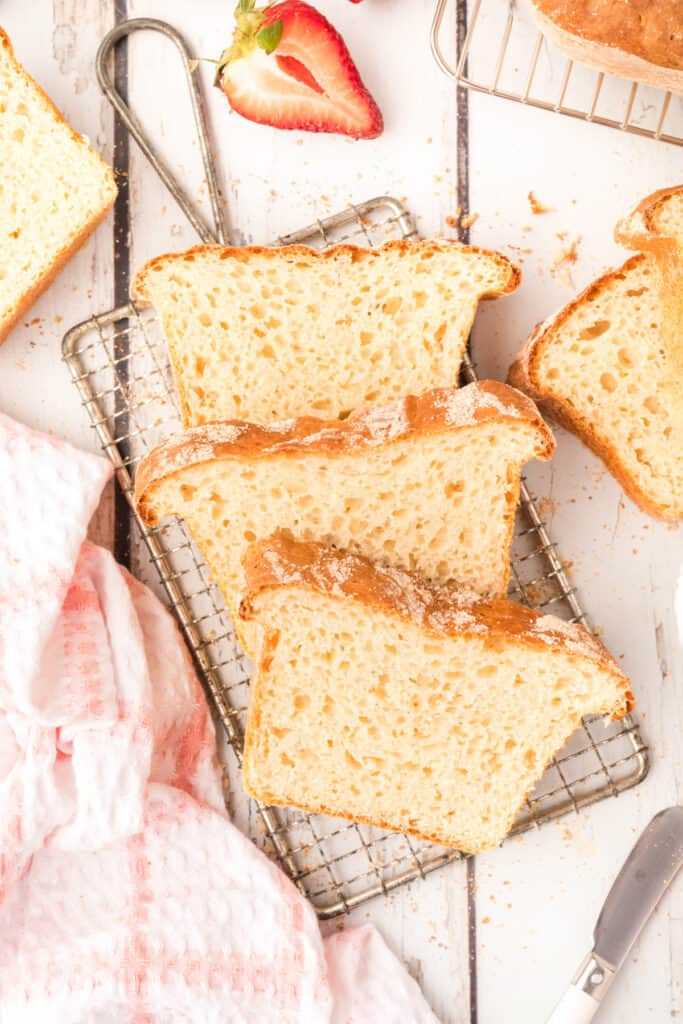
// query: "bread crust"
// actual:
[[503, 271], [445, 610], [523, 374], [243, 253], [25, 301], [442, 409], [280, 561], [617, 45], [638, 230]]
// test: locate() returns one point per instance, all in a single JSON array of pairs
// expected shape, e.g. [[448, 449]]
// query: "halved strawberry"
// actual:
[[289, 68]]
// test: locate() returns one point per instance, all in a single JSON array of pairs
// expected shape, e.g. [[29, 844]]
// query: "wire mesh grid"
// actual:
[[118, 362], [504, 54]]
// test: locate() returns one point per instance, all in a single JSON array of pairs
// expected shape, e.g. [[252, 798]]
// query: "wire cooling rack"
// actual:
[[503, 53], [118, 362]]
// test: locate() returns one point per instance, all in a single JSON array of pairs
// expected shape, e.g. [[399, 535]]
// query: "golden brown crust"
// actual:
[[639, 229], [445, 610], [442, 409], [13, 316], [243, 253], [641, 40], [25, 301]]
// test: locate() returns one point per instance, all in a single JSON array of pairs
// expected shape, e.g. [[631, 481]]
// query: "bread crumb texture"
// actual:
[[415, 707], [54, 190], [430, 484], [610, 364], [262, 334]]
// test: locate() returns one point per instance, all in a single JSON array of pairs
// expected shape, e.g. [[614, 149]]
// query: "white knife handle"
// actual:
[[575, 1007], [582, 999]]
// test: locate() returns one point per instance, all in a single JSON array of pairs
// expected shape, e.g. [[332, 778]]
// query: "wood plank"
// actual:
[[538, 897]]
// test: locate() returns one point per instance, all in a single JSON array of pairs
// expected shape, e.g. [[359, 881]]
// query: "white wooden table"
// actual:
[[502, 949]]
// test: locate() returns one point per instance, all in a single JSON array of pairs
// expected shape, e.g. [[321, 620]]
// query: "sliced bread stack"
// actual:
[[55, 190], [428, 483], [264, 334], [609, 366], [429, 707], [383, 698]]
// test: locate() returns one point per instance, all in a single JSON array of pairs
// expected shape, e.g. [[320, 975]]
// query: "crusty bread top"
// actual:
[[265, 333], [432, 412], [653, 218], [280, 561], [649, 29], [242, 254]]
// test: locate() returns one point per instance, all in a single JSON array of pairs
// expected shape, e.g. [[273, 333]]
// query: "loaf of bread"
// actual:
[[637, 39], [430, 483], [55, 190], [262, 334], [609, 366], [415, 707]]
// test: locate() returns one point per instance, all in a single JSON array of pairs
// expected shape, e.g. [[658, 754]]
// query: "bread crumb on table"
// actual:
[[562, 261], [460, 221], [537, 207]]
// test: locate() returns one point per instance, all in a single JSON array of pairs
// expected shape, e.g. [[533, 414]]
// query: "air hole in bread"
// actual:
[[595, 329]]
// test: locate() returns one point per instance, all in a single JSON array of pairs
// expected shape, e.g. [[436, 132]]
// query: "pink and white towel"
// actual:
[[125, 893]]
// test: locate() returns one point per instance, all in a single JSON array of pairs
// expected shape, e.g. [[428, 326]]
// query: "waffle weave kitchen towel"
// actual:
[[126, 896]]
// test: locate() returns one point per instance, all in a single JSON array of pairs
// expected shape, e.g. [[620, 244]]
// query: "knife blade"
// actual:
[[647, 873]]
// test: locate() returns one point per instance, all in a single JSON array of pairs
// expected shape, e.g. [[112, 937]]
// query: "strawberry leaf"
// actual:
[[247, 5], [269, 36]]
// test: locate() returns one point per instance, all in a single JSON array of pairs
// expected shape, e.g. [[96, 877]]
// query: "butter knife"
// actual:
[[647, 873]]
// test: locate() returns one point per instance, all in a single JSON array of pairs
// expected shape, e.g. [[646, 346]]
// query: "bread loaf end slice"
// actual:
[[609, 366], [382, 698]]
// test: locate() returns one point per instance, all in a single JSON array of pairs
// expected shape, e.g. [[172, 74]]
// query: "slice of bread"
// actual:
[[430, 483], [263, 334], [639, 41], [55, 190], [609, 366], [386, 699]]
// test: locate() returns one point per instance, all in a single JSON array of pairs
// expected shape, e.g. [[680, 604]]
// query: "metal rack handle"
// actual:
[[454, 74], [119, 32], [435, 40], [437, 52]]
